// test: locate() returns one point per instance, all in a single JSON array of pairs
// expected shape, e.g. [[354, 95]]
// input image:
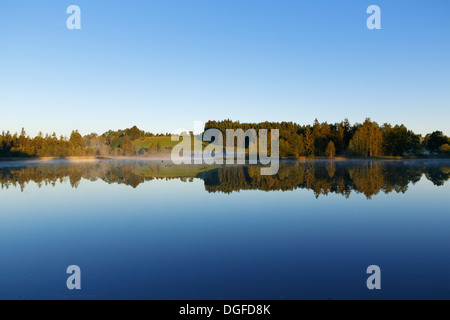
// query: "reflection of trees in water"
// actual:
[[369, 178], [130, 173], [437, 175], [121, 173], [322, 177]]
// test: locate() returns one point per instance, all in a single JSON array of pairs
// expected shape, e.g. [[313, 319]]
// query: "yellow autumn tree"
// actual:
[[367, 141]]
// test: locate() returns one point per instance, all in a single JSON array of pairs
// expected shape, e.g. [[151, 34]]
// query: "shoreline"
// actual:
[[168, 157]]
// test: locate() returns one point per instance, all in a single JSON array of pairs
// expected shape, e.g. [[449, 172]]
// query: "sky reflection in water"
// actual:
[[141, 230]]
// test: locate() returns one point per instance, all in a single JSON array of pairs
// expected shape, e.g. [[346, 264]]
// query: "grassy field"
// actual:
[[165, 143]]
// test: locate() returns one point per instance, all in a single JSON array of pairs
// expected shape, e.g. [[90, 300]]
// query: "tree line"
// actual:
[[317, 140], [111, 143], [369, 139]]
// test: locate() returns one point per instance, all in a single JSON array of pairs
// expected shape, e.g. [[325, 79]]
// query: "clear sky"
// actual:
[[163, 64]]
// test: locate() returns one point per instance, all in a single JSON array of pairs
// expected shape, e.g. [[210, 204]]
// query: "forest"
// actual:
[[111, 143], [365, 140]]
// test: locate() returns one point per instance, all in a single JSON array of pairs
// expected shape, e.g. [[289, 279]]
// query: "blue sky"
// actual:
[[163, 64]]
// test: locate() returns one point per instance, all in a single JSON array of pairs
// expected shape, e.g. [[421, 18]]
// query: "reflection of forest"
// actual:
[[323, 177], [130, 173], [367, 177]]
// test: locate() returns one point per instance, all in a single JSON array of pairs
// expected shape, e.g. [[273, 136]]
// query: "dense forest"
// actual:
[[368, 140]]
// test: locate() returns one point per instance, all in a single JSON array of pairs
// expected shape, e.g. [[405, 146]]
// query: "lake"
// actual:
[[151, 230]]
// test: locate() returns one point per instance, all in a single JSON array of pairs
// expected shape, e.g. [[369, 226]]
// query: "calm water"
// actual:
[[148, 229]]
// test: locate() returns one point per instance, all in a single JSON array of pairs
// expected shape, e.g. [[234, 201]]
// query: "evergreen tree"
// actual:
[[309, 143]]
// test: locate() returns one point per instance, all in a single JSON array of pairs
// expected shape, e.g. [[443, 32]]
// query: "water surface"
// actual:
[[152, 230]]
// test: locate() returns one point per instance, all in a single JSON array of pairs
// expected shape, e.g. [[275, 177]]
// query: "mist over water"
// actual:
[[150, 229]]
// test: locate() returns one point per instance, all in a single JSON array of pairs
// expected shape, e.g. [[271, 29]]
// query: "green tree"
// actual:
[[321, 133], [399, 141], [128, 147], [77, 143], [331, 150], [309, 143], [134, 133], [22, 141], [445, 149], [434, 141]]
